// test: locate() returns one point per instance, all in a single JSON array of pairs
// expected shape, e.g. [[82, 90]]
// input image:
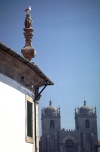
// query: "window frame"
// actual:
[[52, 124], [87, 123], [28, 139]]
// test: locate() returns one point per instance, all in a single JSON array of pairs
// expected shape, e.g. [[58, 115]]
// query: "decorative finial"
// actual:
[[28, 51], [95, 110], [50, 103], [84, 103], [75, 109], [78, 109], [59, 109]]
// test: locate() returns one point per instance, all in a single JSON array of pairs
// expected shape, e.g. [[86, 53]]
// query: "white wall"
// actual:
[[99, 149], [12, 120]]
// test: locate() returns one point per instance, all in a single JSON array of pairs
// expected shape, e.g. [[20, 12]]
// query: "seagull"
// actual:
[[28, 9]]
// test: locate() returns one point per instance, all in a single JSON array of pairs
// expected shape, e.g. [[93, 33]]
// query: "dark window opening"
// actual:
[[51, 123], [87, 124], [29, 119]]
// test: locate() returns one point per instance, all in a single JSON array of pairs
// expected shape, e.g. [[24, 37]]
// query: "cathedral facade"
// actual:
[[83, 138]]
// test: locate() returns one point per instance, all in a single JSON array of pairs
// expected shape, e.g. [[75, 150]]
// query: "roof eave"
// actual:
[[31, 65]]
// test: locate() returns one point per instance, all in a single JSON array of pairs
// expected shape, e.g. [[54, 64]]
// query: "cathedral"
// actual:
[[83, 138]]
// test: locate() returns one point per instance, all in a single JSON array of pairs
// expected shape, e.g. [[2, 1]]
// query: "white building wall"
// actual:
[[99, 149], [37, 129], [12, 120]]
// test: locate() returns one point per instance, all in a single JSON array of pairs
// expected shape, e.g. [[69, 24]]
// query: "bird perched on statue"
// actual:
[[28, 9]]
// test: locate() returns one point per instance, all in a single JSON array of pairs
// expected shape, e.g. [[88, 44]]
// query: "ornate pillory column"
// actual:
[[28, 51]]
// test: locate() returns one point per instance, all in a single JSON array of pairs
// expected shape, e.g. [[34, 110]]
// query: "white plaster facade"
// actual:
[[13, 117]]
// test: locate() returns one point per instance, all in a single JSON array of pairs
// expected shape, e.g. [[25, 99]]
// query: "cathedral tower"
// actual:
[[50, 119], [86, 123]]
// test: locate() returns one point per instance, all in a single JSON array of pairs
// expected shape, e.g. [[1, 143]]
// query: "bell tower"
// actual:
[[86, 123], [50, 119]]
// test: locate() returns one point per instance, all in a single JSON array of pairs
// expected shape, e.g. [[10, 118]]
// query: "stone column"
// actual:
[[28, 51]]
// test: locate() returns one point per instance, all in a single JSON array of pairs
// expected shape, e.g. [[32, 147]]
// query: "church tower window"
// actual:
[[51, 123], [87, 124]]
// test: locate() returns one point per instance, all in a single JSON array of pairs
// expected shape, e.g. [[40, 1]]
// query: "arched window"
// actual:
[[51, 123], [87, 124]]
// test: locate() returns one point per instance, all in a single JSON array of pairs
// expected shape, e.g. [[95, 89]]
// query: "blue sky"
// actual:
[[67, 41]]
